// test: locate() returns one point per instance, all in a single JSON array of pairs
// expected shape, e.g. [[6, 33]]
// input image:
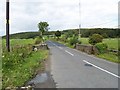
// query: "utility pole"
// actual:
[[79, 20], [7, 26]]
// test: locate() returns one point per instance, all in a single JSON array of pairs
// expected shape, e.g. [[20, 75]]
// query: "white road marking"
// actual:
[[100, 59], [56, 45], [60, 47], [102, 69], [69, 53], [53, 43]]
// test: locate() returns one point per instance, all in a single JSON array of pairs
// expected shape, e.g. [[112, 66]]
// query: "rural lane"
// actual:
[[74, 69]]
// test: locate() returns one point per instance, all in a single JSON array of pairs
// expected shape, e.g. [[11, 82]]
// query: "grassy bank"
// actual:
[[110, 57], [21, 63]]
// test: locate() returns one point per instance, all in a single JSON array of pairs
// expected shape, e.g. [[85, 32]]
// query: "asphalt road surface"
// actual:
[[74, 69]]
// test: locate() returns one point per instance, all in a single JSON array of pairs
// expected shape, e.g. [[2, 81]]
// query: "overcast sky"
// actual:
[[60, 14]]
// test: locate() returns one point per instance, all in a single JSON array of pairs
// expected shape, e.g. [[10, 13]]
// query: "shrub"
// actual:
[[64, 38], [79, 42], [38, 40], [95, 38], [19, 65], [102, 47], [105, 35], [16, 56], [73, 41]]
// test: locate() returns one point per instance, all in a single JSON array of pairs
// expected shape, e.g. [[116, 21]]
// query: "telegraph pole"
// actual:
[[7, 26], [79, 20]]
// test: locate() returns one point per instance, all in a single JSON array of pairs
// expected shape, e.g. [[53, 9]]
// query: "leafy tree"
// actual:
[[43, 26], [95, 38], [105, 35], [70, 33], [58, 34]]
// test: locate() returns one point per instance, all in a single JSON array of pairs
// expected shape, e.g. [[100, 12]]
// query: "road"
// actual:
[[74, 69]]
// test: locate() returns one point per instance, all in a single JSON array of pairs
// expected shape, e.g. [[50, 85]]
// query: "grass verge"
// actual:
[[21, 64], [110, 57], [25, 71]]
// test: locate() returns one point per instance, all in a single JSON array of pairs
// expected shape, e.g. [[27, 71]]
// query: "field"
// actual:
[[111, 42], [14, 42], [21, 63]]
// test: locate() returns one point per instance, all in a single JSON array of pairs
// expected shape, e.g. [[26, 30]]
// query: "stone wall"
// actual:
[[87, 48], [40, 47]]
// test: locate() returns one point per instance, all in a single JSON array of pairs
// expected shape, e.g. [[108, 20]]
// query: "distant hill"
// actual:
[[23, 35], [85, 32], [27, 35]]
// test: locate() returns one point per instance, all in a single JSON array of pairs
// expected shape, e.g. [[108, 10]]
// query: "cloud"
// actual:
[[60, 14]]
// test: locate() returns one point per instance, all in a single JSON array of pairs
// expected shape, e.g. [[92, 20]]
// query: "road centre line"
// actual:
[[53, 43], [102, 69], [92, 56], [60, 47], [69, 53]]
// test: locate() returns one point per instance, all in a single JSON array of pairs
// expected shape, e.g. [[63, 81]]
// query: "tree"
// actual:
[[105, 35], [58, 34], [43, 26], [95, 38]]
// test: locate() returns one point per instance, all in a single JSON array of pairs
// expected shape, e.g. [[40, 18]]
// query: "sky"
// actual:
[[60, 14]]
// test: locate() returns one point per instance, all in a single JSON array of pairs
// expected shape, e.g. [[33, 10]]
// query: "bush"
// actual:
[[38, 40], [79, 42], [16, 56], [73, 41], [105, 35], [102, 47], [95, 38], [20, 65]]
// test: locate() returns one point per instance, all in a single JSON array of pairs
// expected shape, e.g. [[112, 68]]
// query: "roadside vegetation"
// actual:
[[21, 63], [111, 42], [107, 47]]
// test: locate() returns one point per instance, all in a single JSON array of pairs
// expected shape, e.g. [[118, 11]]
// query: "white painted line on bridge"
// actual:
[[69, 53], [60, 47], [102, 69], [54, 44]]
